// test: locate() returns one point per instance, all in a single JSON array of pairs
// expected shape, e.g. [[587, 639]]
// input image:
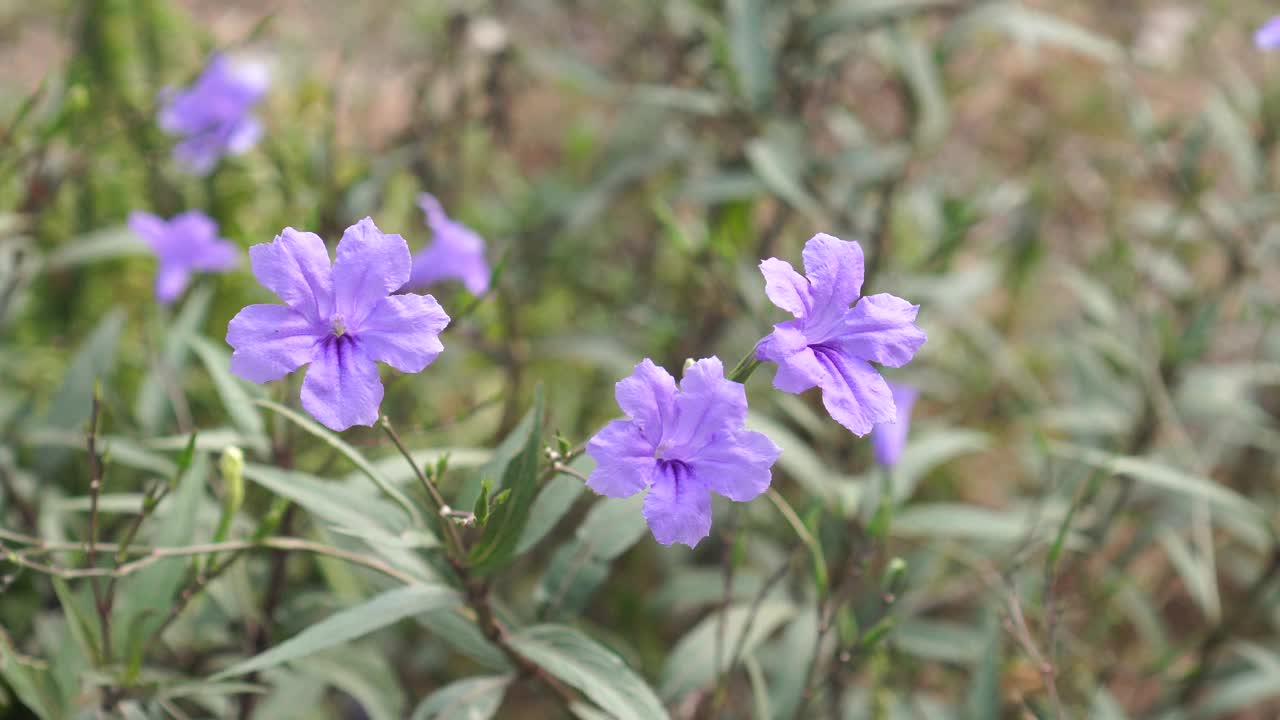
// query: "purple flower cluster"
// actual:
[[685, 445], [682, 445], [831, 345], [456, 252], [338, 319], [182, 245], [1268, 36], [213, 115]]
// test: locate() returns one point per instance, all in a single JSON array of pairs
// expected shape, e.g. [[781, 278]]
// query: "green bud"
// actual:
[[894, 576], [231, 465], [77, 98], [688, 363]]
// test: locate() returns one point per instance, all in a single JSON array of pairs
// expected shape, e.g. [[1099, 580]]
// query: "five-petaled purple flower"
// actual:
[[830, 344], [888, 439], [1268, 36], [213, 115], [340, 319], [456, 252], [184, 244], [682, 446]]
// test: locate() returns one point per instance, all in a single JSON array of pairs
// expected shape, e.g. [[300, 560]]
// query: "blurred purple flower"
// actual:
[[212, 115], [456, 252], [340, 319], [888, 439], [1268, 36], [184, 244], [682, 446], [830, 344]]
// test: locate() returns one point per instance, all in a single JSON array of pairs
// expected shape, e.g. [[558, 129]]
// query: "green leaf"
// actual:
[[612, 526], [553, 501], [386, 609], [941, 640], [1035, 27], [30, 684], [71, 406], [102, 245], [778, 169], [166, 370], [237, 400], [692, 662], [750, 55], [365, 675], [476, 698], [923, 77], [350, 453], [585, 665], [83, 626], [505, 527]]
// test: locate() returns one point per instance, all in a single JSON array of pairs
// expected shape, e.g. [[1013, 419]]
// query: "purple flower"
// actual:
[[455, 252], [183, 245], [1268, 36], [340, 319], [888, 439], [212, 115], [830, 344], [682, 446]]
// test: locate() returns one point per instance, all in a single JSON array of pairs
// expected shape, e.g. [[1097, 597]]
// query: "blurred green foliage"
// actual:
[[1079, 195]]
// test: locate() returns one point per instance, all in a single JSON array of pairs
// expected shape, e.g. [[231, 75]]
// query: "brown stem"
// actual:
[[101, 601]]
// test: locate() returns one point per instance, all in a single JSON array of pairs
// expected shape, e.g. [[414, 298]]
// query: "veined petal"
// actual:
[[370, 265], [853, 392], [786, 340], [881, 328], [834, 268], [624, 460], [342, 388], [707, 404], [799, 372], [403, 331], [678, 506], [737, 464], [270, 341], [786, 288], [295, 266], [648, 397]]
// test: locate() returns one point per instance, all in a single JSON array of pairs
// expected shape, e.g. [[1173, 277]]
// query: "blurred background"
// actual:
[[1080, 195]]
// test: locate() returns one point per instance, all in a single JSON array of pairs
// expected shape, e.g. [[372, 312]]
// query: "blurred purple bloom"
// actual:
[[830, 344], [682, 446], [1268, 36], [456, 252], [888, 439], [184, 244], [340, 319], [212, 115]]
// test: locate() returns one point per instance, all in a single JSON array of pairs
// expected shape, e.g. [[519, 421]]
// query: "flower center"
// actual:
[[339, 326]]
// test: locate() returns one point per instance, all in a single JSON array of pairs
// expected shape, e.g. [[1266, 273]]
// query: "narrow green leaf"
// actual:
[[505, 527], [95, 247], [751, 57], [476, 698], [166, 371], [235, 394], [386, 609], [692, 662], [584, 664]]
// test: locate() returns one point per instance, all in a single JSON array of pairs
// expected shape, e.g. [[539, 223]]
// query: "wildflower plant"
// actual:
[[557, 500]]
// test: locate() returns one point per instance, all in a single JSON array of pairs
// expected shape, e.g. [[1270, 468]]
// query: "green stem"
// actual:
[[747, 365]]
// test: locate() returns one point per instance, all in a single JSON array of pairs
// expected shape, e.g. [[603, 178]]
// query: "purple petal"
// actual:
[[171, 280], [798, 369], [153, 230], [799, 372], [455, 252], [888, 439], [271, 341], [853, 392], [707, 404], [737, 465], [370, 265], [342, 388], [678, 506], [834, 268], [786, 288], [243, 136], [1268, 36], [648, 397], [881, 328], [624, 460], [403, 331], [295, 266]]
